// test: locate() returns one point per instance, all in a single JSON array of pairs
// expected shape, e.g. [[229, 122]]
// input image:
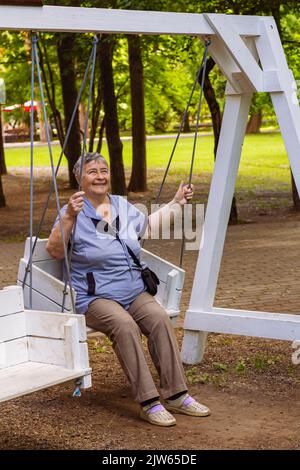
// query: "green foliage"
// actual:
[[220, 367], [262, 362], [193, 376], [240, 366]]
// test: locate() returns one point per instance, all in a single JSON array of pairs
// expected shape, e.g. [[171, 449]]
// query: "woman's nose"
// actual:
[[100, 175]]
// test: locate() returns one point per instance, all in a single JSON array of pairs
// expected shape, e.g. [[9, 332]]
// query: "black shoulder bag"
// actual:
[[149, 277]]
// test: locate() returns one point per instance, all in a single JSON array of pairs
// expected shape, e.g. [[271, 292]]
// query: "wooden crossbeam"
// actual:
[[97, 20], [22, 3]]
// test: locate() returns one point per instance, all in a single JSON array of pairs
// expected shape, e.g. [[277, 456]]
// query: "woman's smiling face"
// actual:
[[95, 179]]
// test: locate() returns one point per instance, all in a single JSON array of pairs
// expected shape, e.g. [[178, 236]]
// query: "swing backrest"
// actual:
[[48, 286]]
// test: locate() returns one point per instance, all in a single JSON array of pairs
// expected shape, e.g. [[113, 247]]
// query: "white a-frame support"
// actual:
[[273, 75], [249, 53]]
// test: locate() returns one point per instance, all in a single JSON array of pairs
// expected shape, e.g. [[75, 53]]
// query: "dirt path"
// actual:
[[250, 384]]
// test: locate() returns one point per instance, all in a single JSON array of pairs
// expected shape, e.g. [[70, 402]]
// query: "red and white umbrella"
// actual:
[[27, 106]]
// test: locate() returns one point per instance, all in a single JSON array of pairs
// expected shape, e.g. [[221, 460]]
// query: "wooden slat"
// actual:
[[45, 283], [12, 326], [52, 325], [46, 350], [52, 18], [225, 29], [58, 352], [51, 266], [40, 253], [286, 104], [84, 356], [243, 322], [40, 302], [228, 67], [11, 300], [173, 293], [13, 352], [30, 377], [72, 354]]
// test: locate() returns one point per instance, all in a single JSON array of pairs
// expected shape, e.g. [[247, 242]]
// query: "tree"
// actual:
[[45, 45], [2, 165], [3, 170], [65, 53], [115, 145], [2, 197], [138, 180]]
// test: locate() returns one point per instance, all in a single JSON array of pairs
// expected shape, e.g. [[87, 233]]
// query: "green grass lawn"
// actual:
[[264, 163]]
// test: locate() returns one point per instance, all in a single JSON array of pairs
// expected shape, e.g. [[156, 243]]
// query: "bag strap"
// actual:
[[133, 256]]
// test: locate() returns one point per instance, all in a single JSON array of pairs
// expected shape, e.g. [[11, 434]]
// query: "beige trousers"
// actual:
[[124, 329]]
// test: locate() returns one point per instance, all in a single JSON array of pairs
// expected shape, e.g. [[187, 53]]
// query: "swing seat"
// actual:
[[47, 284], [39, 349]]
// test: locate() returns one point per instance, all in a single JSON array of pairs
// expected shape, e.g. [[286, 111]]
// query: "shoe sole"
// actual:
[[165, 425]]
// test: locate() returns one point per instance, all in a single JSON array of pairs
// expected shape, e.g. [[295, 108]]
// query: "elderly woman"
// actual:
[[110, 290]]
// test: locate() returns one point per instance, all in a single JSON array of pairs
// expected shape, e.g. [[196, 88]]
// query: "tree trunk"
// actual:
[[138, 180], [50, 90], [216, 116], [42, 124], [82, 118], [186, 126], [2, 197], [3, 170], [114, 143], [295, 195], [2, 164], [96, 108], [254, 123], [275, 9], [101, 135], [65, 52]]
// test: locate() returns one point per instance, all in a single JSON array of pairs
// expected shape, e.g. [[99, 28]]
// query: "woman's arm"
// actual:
[[55, 246], [171, 210]]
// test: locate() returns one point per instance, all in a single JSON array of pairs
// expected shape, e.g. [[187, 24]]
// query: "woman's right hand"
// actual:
[[75, 204]]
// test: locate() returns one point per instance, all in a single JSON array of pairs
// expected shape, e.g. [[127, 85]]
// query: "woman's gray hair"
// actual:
[[87, 158]]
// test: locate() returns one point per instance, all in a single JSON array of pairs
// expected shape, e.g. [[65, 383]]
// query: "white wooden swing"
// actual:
[[48, 284], [249, 52]]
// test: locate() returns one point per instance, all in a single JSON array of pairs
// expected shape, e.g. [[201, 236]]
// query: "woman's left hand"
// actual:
[[184, 194]]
